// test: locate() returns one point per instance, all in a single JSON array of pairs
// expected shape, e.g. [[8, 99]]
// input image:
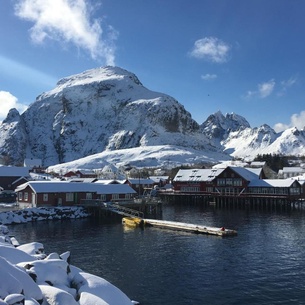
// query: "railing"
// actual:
[[113, 207], [116, 208]]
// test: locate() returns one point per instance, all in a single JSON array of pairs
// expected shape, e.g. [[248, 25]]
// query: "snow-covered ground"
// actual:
[[166, 156], [31, 277]]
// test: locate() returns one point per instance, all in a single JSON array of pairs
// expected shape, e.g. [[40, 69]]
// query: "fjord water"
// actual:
[[263, 264]]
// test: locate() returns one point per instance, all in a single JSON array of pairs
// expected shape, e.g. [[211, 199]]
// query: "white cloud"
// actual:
[[211, 49], [7, 102], [286, 85], [68, 21], [265, 89], [278, 127], [296, 120], [209, 76]]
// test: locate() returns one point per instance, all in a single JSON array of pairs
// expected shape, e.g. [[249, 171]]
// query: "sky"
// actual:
[[239, 56]]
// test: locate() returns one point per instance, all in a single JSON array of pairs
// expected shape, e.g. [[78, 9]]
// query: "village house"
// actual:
[[160, 181], [63, 193], [288, 172], [109, 171], [277, 187], [81, 174], [141, 185], [12, 176], [233, 181]]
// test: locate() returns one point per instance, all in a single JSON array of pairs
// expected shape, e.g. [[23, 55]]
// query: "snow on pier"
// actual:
[[187, 227]]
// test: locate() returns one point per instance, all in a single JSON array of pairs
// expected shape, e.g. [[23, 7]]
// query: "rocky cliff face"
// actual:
[[13, 138], [101, 109]]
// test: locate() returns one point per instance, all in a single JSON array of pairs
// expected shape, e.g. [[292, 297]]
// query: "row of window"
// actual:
[[229, 181], [190, 189], [70, 196], [235, 191]]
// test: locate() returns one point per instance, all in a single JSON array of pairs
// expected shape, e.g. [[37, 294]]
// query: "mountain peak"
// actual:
[[12, 116], [218, 126], [108, 73]]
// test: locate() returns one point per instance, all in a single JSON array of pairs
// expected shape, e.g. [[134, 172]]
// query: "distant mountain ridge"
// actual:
[[108, 109]]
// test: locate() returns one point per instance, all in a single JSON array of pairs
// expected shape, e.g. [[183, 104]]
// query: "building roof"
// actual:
[[75, 187], [272, 182], [198, 174], [159, 178], [293, 169], [246, 173], [258, 163], [108, 181], [140, 181]]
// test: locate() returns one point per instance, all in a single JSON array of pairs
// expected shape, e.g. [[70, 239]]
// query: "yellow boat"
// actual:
[[132, 221]]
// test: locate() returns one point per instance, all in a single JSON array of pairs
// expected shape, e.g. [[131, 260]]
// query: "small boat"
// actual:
[[132, 221]]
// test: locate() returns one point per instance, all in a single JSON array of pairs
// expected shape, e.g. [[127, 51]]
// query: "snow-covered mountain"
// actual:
[[106, 114], [217, 126], [101, 109]]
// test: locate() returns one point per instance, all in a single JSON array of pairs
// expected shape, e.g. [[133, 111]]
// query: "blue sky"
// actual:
[[236, 56]]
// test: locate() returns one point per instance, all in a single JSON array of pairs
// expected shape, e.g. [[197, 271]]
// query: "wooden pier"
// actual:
[[191, 228], [244, 201]]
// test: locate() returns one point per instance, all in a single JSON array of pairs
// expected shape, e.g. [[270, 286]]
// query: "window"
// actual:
[[221, 181], [229, 181], [190, 189], [20, 196], [294, 191], [26, 196], [88, 195], [45, 197], [103, 197], [127, 196], [69, 196], [237, 182], [115, 196]]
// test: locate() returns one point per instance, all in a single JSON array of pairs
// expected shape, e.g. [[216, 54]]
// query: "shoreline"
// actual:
[[30, 276]]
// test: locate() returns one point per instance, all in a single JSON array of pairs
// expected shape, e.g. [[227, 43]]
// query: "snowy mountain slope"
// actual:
[[248, 143], [166, 156]]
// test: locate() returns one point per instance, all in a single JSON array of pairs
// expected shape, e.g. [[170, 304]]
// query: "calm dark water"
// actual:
[[264, 264]]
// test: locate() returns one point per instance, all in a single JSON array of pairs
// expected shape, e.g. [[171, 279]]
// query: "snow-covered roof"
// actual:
[[258, 163], [67, 187], [247, 174], [108, 181], [159, 178], [293, 169], [257, 171], [140, 181], [272, 182], [76, 179], [198, 174]]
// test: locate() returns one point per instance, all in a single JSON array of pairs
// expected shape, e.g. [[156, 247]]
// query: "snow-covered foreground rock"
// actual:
[[37, 214], [28, 276]]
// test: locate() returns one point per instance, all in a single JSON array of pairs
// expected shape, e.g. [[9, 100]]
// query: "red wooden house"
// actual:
[[53, 193]]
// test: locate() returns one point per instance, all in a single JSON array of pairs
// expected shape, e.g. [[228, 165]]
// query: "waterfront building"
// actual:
[[63, 193]]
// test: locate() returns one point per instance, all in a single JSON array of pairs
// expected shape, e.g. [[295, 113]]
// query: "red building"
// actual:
[[53, 193]]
